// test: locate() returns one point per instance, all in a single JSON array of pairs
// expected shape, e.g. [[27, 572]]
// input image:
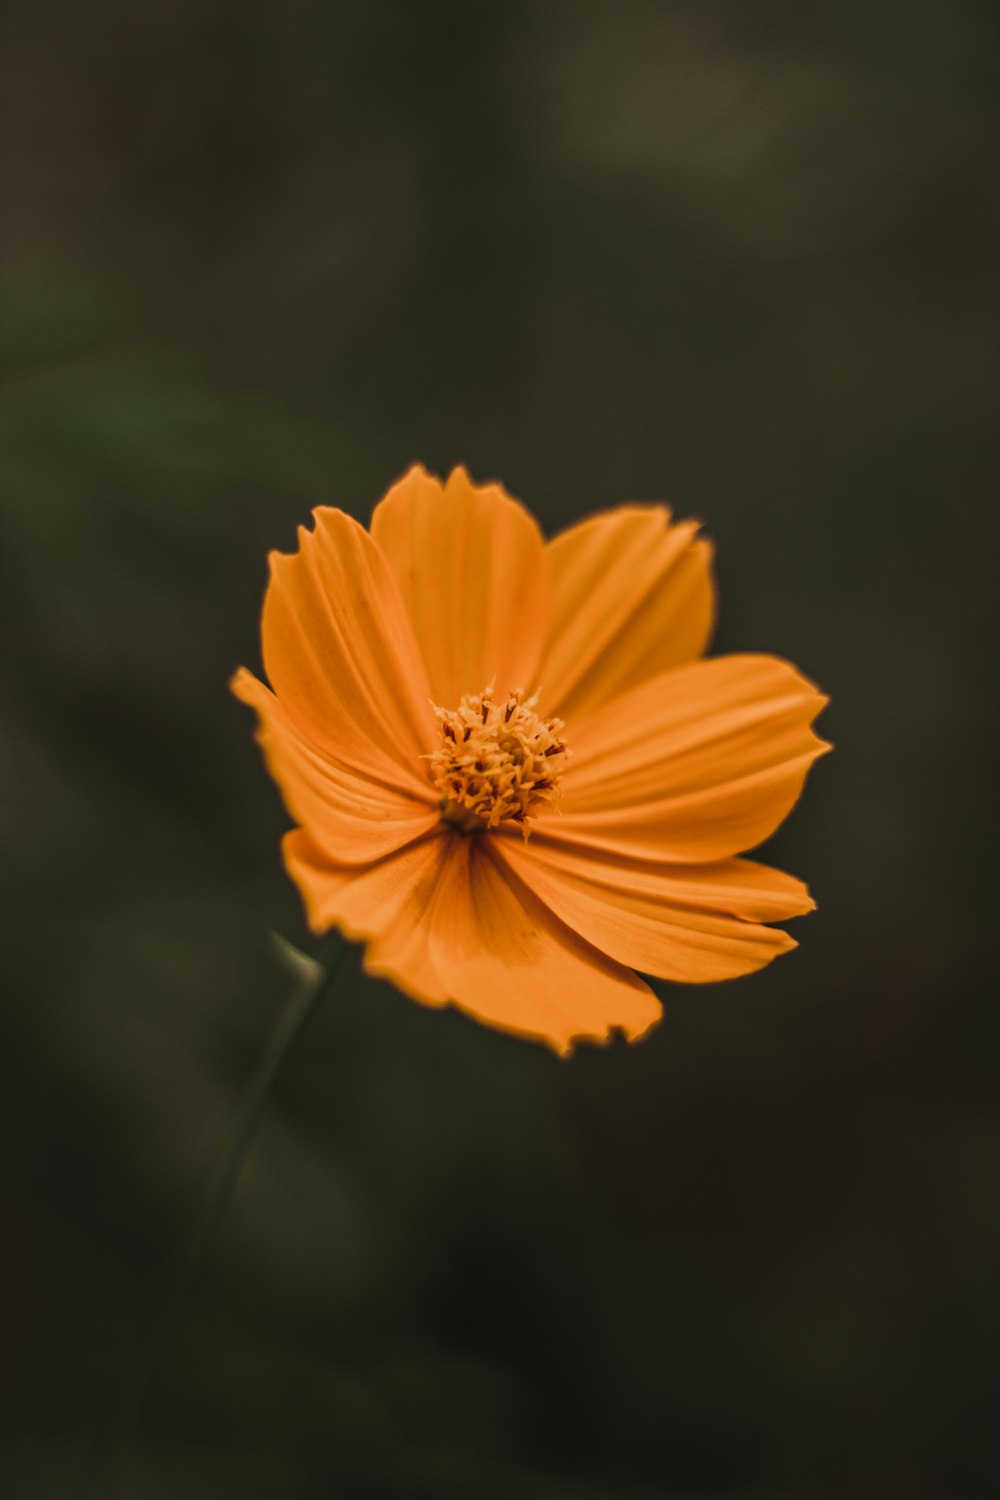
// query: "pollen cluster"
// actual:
[[499, 761]]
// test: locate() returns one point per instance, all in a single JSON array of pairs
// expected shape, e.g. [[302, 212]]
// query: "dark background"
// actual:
[[739, 256]]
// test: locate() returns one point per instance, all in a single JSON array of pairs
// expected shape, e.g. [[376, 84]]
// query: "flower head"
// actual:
[[513, 773]]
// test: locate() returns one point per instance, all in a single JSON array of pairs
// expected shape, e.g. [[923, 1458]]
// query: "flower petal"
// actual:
[[470, 565], [697, 764], [692, 924], [631, 597], [340, 654], [508, 961], [385, 905], [350, 817]]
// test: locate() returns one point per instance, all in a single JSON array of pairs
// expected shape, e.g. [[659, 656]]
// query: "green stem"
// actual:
[[100, 1480]]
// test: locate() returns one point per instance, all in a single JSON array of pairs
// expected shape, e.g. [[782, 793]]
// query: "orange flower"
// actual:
[[514, 777]]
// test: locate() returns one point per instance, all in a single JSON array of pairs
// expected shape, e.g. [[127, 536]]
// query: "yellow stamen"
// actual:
[[498, 761]]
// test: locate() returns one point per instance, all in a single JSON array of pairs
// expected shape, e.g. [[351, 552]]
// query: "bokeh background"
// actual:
[[739, 256]]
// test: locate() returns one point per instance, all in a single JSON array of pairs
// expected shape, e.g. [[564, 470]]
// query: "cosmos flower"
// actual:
[[515, 777]]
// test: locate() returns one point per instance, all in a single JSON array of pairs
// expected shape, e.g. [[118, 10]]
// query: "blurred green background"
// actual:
[[739, 256]]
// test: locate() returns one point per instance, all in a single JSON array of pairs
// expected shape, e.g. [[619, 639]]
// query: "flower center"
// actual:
[[499, 761]]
